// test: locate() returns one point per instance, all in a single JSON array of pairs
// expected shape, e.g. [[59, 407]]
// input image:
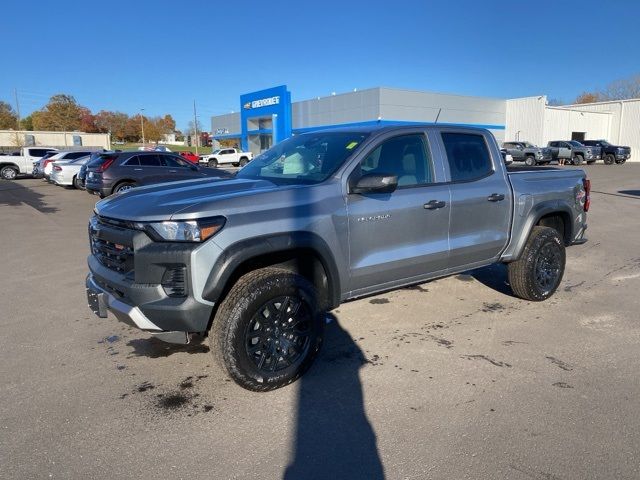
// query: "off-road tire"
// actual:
[[609, 159], [543, 243], [243, 162], [530, 161], [578, 159], [8, 172], [246, 300], [213, 163]]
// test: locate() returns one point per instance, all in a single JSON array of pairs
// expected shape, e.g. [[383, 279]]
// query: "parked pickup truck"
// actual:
[[528, 153], [573, 152], [22, 164], [320, 219], [225, 156], [610, 153]]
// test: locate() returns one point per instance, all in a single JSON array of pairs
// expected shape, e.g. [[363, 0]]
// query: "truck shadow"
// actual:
[[13, 194], [493, 276], [154, 348], [333, 437], [635, 193]]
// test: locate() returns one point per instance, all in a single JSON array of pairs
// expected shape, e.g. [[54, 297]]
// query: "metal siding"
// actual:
[[525, 119], [560, 122], [336, 109], [229, 122]]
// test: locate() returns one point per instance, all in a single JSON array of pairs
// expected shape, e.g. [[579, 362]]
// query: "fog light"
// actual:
[[174, 282]]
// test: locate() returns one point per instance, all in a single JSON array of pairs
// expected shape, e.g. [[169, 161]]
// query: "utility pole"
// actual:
[[15, 92], [195, 125], [142, 124]]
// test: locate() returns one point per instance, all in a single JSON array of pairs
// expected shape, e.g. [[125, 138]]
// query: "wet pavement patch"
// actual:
[[492, 307], [379, 301], [560, 364], [464, 278], [487, 359], [173, 401]]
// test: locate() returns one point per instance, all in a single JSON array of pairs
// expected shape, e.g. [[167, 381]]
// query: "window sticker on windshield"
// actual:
[[352, 145]]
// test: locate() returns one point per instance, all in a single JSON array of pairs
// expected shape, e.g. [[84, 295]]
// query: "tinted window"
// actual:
[[173, 162], [132, 162], [149, 160], [73, 155], [38, 152], [468, 156], [404, 156]]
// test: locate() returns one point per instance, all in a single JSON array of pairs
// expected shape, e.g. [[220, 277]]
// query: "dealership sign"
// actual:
[[222, 131], [263, 102]]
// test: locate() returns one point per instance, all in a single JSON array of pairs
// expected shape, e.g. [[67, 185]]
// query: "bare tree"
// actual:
[[622, 89]]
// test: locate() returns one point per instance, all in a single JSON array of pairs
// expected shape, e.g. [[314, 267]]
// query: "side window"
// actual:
[[149, 160], [37, 152], [468, 156], [132, 162], [173, 162], [75, 155], [405, 156]]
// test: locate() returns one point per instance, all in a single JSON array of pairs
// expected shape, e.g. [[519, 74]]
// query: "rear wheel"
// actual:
[[213, 163], [123, 187], [535, 276], [268, 330], [530, 161], [77, 184], [9, 173], [609, 159]]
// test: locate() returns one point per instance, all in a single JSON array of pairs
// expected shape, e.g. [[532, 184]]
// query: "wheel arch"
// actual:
[[304, 253]]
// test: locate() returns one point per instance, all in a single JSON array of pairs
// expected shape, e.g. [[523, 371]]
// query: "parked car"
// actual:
[[21, 164], [319, 219], [573, 152], [610, 153], [226, 156], [528, 153], [45, 166], [506, 156], [80, 177], [65, 173], [192, 157], [36, 172], [118, 172]]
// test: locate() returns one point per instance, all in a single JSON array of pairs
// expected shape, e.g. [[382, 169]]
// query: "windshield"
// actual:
[[215, 151], [575, 143], [304, 159], [604, 143]]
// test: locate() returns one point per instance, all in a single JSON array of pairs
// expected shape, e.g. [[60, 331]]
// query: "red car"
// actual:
[[192, 157]]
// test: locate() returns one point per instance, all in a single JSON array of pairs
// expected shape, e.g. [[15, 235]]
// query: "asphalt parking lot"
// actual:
[[452, 379]]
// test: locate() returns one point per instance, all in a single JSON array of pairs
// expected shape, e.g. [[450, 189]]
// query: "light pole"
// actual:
[[142, 124]]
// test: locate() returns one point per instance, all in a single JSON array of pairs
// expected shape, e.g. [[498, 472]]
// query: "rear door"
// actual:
[[151, 169], [395, 238], [481, 200]]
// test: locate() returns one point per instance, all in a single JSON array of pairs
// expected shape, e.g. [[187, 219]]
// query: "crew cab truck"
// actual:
[[610, 153], [22, 164], [528, 153], [226, 156], [573, 151], [320, 219]]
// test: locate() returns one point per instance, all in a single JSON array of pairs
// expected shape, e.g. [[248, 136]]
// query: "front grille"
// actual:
[[114, 256]]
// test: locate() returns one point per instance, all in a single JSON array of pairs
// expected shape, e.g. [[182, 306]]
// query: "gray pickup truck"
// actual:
[[574, 152], [319, 219], [528, 153]]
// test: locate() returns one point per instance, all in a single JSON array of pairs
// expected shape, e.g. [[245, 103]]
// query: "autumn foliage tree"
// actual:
[[8, 118], [61, 114]]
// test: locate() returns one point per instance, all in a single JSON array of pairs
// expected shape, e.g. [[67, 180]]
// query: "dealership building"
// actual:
[[269, 116]]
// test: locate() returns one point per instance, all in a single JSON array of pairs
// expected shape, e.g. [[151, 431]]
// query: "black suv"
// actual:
[[120, 171]]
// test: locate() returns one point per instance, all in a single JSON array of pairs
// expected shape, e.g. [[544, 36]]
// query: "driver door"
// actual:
[[399, 237]]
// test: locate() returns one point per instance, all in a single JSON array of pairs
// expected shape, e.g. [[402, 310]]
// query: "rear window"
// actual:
[[100, 160], [468, 156], [38, 152], [74, 155]]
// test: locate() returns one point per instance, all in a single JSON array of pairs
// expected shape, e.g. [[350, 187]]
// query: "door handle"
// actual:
[[138, 169], [435, 204], [172, 171], [495, 197]]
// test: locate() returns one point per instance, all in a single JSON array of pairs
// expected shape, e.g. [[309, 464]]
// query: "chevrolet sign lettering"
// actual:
[[263, 102]]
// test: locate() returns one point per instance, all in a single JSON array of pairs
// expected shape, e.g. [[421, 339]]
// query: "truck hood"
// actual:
[[163, 201]]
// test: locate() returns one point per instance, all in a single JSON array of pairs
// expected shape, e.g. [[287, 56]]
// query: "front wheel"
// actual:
[[609, 159], [9, 173], [243, 161], [268, 330], [535, 276], [213, 163], [530, 161], [578, 159]]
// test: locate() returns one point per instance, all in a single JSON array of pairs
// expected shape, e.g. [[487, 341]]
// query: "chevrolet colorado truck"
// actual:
[[610, 153], [319, 219], [528, 153], [226, 156]]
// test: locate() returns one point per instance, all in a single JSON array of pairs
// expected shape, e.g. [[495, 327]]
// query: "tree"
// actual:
[[26, 123], [112, 122], [588, 97], [8, 118], [622, 89], [87, 121], [62, 113]]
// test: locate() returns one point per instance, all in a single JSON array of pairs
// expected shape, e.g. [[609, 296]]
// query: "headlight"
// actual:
[[187, 230]]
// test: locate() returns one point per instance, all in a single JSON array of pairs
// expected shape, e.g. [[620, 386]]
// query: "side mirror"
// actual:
[[376, 183]]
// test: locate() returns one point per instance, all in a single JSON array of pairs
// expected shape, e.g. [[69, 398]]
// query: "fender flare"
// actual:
[[238, 253]]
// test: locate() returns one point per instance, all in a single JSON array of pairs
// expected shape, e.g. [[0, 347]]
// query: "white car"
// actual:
[[65, 173], [226, 156], [62, 157]]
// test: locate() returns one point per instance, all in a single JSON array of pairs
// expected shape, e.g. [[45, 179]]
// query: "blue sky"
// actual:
[[160, 55]]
